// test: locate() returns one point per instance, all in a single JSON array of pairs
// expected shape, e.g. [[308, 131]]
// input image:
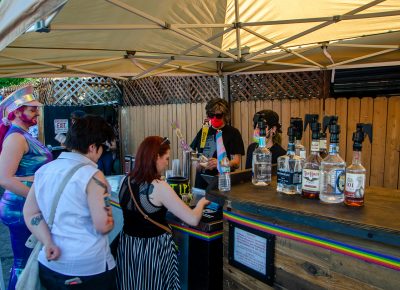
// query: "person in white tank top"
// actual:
[[76, 250]]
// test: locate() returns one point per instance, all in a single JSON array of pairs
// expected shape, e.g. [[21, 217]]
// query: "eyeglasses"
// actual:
[[218, 115], [165, 140]]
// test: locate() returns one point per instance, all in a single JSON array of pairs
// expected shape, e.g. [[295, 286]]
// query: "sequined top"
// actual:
[[37, 154]]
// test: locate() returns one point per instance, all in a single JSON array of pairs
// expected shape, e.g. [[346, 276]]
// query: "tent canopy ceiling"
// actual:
[[135, 38]]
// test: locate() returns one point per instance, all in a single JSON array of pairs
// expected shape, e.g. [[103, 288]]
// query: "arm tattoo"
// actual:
[[100, 183], [36, 220]]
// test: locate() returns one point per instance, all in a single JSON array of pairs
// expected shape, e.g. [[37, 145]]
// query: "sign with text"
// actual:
[[252, 251], [60, 126]]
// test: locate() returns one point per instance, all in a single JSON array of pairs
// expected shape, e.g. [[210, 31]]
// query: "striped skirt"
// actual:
[[147, 263]]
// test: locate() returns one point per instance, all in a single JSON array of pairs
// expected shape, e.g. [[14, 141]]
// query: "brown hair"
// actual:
[[145, 169], [219, 104]]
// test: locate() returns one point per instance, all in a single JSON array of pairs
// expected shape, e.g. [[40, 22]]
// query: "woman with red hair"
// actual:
[[146, 256], [20, 156]]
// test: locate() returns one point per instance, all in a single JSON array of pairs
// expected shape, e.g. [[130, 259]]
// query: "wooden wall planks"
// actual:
[[381, 158]]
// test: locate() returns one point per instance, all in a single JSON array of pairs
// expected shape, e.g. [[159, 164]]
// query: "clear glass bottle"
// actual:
[[323, 152], [289, 169], [300, 150], [311, 174], [224, 177], [262, 158], [355, 182], [332, 176]]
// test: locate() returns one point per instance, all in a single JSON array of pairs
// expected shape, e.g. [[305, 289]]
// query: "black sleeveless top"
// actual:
[[134, 222]]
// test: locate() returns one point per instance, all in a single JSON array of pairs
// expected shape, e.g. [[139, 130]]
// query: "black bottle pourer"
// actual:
[[312, 119], [291, 132], [297, 124], [359, 135], [261, 124], [334, 128]]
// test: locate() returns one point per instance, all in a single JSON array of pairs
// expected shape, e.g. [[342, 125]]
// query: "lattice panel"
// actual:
[[80, 92], [170, 90], [299, 85]]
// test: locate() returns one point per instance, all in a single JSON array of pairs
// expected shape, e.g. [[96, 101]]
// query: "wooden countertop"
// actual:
[[378, 219]]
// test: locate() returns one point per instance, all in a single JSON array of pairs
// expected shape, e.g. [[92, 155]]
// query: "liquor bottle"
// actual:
[[355, 173], [262, 159], [322, 145], [332, 172], [290, 168], [300, 150], [311, 176], [224, 177]]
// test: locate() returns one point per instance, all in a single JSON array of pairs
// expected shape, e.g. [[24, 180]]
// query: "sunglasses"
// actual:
[[218, 116], [165, 140]]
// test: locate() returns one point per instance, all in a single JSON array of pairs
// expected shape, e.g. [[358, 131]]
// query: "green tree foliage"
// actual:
[[8, 82]]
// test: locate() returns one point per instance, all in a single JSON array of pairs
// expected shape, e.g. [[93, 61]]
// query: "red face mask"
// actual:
[[216, 123]]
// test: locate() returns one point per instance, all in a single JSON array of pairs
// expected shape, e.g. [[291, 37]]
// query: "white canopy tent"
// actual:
[[135, 38]]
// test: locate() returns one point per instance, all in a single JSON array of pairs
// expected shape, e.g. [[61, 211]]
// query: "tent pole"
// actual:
[[289, 51], [22, 74], [361, 57], [323, 19], [168, 26], [238, 40], [190, 49], [315, 28]]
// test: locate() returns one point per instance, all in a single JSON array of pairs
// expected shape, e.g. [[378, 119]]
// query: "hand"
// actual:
[[212, 163], [204, 202], [52, 252]]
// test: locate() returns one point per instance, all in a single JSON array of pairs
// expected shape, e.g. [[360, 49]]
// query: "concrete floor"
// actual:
[[6, 254]]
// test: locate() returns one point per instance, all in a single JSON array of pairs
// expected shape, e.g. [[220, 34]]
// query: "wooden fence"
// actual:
[[381, 158]]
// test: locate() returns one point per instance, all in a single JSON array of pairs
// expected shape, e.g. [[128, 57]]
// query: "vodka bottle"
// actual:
[[332, 173], [355, 182], [323, 152], [311, 175], [290, 169], [262, 158], [224, 178], [355, 173]]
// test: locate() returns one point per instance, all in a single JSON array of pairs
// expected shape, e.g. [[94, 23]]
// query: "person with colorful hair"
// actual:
[[20, 156], [218, 114]]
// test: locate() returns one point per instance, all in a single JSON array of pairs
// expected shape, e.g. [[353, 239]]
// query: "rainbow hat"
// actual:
[[22, 97]]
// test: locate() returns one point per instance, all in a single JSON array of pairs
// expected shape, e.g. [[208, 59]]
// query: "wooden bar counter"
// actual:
[[317, 245]]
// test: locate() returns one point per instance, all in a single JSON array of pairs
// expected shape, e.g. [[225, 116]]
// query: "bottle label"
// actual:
[[322, 144], [311, 180], [355, 184], [338, 180], [289, 178], [314, 146], [302, 154]]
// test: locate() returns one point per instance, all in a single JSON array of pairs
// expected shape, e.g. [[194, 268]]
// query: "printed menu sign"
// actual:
[[250, 250]]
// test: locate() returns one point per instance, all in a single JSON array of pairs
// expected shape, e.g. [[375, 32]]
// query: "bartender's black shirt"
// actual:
[[233, 143]]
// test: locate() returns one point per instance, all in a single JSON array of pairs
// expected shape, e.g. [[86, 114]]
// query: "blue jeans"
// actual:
[[54, 280], [11, 206]]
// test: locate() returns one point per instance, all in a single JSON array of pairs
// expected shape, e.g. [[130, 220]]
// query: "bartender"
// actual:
[[218, 114]]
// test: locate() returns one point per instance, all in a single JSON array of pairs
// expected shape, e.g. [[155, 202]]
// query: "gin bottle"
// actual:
[[355, 173], [332, 173], [262, 159], [289, 169], [311, 175]]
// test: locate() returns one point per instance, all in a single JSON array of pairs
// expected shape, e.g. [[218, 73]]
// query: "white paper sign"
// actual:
[[250, 250], [60, 126]]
